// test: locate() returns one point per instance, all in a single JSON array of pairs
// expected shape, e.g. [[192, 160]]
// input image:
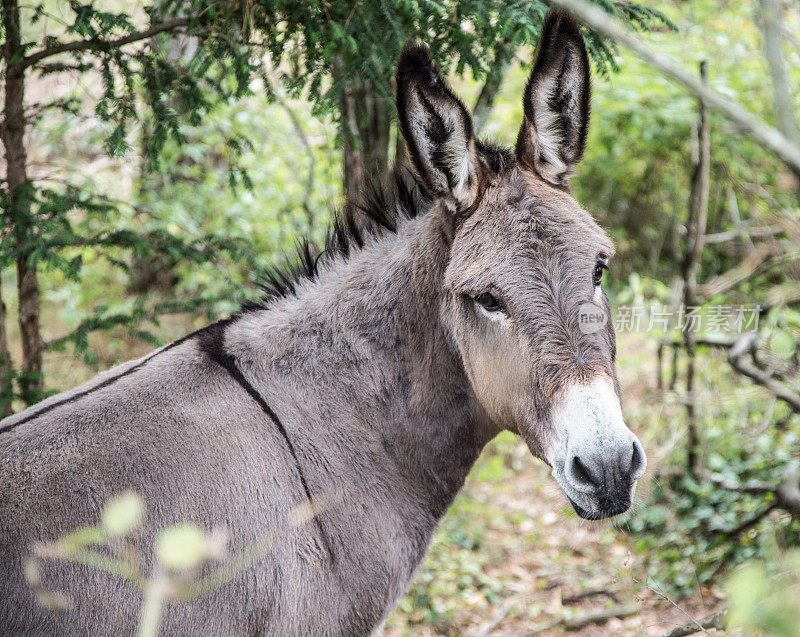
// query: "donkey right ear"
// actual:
[[437, 129]]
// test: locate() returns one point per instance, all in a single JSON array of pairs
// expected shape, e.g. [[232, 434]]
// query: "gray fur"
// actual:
[[388, 382]]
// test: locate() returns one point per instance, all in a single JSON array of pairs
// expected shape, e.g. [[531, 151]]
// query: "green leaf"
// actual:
[[122, 514], [782, 343], [181, 547], [81, 538]]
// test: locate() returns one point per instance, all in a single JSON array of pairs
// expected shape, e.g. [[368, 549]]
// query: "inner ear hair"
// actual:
[[556, 105], [437, 129]]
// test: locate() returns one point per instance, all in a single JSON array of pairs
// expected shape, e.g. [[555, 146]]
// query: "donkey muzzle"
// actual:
[[596, 459]]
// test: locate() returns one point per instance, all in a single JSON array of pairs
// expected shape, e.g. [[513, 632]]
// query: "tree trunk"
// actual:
[[6, 367], [696, 229], [483, 105], [151, 271], [13, 135], [771, 20], [365, 125]]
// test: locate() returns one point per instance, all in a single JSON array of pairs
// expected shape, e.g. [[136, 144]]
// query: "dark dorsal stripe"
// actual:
[[212, 342], [105, 383]]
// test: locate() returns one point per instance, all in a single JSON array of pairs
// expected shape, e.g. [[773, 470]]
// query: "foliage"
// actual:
[[763, 596], [636, 170], [685, 530], [336, 41], [233, 233], [691, 529]]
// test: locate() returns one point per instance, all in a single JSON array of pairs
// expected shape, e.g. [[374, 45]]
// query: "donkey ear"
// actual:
[[437, 129], [556, 102]]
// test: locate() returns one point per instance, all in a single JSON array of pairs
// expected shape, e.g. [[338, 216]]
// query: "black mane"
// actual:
[[375, 211]]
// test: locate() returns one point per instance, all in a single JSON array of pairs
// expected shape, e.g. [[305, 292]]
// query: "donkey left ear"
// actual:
[[437, 129], [556, 102]]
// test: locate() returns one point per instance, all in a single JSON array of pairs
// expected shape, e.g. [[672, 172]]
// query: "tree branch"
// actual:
[[599, 616], [750, 522], [771, 19], [737, 357], [754, 487], [97, 44], [714, 620], [696, 224], [757, 262], [577, 622], [298, 127], [730, 235], [766, 135], [93, 323], [572, 599]]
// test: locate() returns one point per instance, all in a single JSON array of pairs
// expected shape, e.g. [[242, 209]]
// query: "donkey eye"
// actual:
[[597, 275], [489, 303]]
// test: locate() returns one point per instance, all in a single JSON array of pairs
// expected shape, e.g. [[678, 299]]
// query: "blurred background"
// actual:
[[159, 155]]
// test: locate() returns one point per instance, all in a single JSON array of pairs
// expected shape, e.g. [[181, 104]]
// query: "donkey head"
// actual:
[[523, 282]]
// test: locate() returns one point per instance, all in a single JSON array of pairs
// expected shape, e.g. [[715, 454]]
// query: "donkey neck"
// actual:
[[366, 338]]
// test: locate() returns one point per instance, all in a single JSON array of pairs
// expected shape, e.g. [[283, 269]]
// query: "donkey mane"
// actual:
[[366, 216], [376, 211]]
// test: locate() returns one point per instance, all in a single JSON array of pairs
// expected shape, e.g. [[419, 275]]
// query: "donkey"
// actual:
[[444, 310]]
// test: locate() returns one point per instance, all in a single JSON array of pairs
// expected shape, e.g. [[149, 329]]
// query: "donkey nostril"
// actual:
[[582, 474], [637, 462]]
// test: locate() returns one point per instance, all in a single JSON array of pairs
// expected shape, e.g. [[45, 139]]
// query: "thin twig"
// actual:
[[571, 599], [498, 616], [714, 620], [666, 597], [748, 523], [96, 43]]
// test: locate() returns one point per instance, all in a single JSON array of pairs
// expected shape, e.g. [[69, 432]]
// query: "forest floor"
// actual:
[[511, 555], [534, 556]]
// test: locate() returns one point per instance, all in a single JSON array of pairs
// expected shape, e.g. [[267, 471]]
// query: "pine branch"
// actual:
[[139, 316], [97, 44]]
